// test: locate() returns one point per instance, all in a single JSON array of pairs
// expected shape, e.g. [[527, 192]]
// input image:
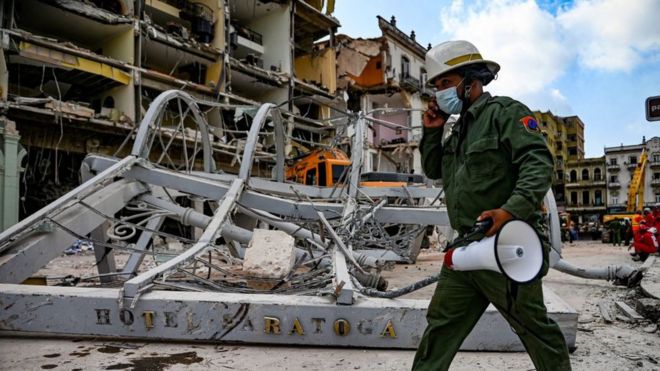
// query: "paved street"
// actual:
[[600, 346]]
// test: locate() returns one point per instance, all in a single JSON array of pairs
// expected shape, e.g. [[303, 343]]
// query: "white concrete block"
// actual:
[[270, 254]]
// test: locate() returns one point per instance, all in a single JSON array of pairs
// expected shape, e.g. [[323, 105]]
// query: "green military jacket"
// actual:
[[494, 157]]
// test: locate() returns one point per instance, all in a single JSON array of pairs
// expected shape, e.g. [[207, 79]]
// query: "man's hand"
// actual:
[[432, 117], [499, 216]]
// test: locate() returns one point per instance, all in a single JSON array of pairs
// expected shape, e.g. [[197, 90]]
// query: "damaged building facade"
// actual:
[[379, 74], [77, 77]]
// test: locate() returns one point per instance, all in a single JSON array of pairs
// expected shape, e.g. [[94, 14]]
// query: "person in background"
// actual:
[[637, 218], [615, 231], [649, 218], [627, 231], [656, 216], [572, 232], [645, 242]]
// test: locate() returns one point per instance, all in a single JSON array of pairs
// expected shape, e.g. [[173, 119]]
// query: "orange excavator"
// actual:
[[330, 168], [327, 167]]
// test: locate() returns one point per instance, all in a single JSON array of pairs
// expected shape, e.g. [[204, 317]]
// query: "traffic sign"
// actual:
[[653, 108]]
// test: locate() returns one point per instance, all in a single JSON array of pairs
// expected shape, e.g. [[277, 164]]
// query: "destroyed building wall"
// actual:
[[77, 76], [320, 68], [385, 74]]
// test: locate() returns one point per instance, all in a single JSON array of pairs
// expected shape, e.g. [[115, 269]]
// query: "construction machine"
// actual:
[[322, 167], [635, 200], [330, 168], [636, 190]]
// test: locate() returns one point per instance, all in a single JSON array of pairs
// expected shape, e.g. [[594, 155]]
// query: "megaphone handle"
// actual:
[[483, 225]]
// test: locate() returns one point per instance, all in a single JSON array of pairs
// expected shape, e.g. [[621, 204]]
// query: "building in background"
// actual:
[[586, 189], [555, 132], [382, 73], [565, 138], [621, 163], [574, 137], [76, 77]]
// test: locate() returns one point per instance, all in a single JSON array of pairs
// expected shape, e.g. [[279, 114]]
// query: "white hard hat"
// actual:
[[451, 55]]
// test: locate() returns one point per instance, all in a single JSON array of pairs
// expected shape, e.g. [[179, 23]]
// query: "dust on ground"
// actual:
[[618, 345]]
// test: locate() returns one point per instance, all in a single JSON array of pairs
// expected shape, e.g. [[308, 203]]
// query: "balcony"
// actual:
[[591, 206], [631, 165], [613, 167], [586, 183], [614, 185], [655, 164], [409, 83], [245, 42], [655, 183]]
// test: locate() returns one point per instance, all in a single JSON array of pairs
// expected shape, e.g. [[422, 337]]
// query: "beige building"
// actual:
[[565, 138], [554, 131], [586, 189]]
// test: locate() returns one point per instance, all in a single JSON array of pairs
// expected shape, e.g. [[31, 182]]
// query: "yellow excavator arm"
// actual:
[[636, 190]]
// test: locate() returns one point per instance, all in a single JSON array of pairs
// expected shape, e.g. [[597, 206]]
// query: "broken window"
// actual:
[[405, 67], [322, 174], [310, 177]]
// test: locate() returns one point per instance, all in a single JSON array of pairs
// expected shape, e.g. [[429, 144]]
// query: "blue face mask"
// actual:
[[448, 101]]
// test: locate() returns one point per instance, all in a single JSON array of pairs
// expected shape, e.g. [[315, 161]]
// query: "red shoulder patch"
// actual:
[[530, 124]]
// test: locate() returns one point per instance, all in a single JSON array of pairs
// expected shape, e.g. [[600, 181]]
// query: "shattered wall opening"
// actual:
[[48, 175]]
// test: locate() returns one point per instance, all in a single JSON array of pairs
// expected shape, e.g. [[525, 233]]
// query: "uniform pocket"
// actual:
[[483, 157]]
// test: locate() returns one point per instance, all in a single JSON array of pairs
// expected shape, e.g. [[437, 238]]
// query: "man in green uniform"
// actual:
[[494, 163]]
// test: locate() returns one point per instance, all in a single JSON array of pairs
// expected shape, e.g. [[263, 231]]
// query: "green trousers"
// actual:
[[461, 298]]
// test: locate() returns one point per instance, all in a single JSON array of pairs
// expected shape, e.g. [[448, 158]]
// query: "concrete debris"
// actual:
[[605, 312], [78, 247], [650, 329], [649, 308], [174, 245], [89, 10], [351, 62], [650, 285], [270, 254], [628, 311], [71, 108]]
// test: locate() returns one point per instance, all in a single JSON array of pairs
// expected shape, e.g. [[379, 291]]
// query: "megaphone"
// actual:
[[515, 251]]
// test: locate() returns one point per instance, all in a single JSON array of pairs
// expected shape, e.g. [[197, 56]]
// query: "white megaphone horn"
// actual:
[[515, 251]]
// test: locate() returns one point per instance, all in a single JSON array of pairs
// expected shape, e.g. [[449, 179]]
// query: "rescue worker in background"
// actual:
[[627, 231], [637, 218], [615, 231], [656, 214], [645, 242], [649, 218], [494, 163]]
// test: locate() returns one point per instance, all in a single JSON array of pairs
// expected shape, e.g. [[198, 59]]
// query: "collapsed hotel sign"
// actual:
[[214, 317], [270, 325], [653, 108]]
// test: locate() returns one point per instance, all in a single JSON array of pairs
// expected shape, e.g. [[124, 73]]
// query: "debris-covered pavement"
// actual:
[[619, 344]]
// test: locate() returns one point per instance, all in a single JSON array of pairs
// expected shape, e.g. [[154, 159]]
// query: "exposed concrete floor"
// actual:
[[600, 346]]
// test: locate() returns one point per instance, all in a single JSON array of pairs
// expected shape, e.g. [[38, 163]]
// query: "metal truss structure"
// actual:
[[167, 189]]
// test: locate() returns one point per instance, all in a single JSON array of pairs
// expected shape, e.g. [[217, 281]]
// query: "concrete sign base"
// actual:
[[238, 318]]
